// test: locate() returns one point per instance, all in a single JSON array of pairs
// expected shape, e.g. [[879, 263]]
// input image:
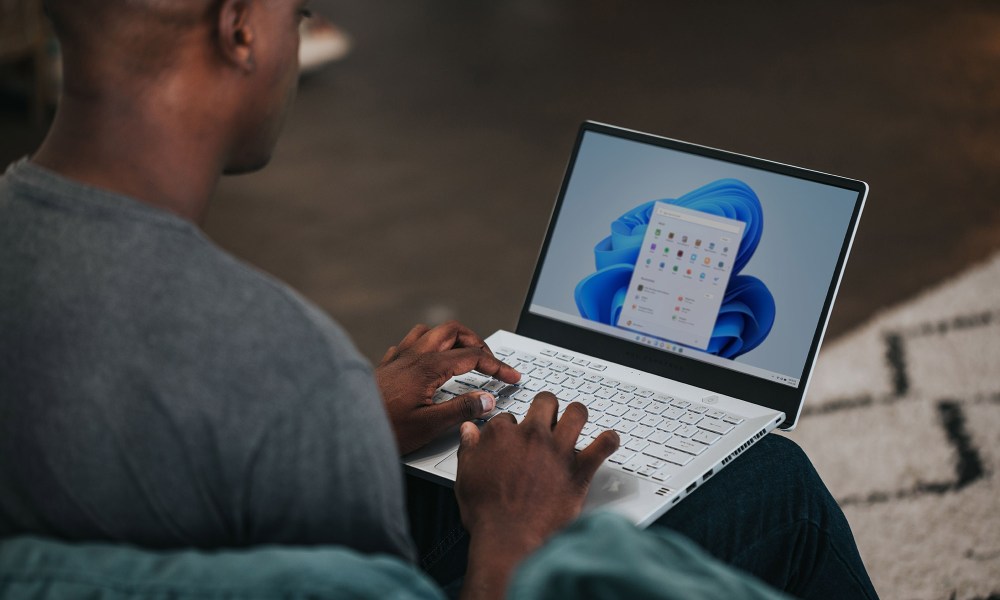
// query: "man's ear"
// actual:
[[236, 37]]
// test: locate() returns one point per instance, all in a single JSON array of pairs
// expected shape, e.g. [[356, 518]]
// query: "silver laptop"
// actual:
[[681, 293]]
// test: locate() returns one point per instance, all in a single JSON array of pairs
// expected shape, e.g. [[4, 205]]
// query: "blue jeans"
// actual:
[[767, 513]]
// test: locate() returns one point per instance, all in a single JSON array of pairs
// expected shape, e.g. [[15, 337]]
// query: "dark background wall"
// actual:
[[415, 178]]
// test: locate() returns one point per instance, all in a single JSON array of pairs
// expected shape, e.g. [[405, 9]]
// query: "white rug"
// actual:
[[903, 422]]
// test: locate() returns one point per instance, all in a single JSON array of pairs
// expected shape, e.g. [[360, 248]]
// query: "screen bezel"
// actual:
[[777, 396]]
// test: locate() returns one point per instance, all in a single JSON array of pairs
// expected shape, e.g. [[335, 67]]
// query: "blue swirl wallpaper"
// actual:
[[748, 310]]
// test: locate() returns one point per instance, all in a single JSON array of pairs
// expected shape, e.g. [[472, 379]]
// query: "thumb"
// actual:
[[462, 408], [469, 437]]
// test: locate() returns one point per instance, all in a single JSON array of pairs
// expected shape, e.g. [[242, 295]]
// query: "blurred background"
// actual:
[[416, 174], [419, 166]]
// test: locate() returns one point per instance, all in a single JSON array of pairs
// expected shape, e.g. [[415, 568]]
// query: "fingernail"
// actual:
[[488, 402]]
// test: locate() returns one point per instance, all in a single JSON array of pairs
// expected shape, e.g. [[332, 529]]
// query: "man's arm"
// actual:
[[518, 484]]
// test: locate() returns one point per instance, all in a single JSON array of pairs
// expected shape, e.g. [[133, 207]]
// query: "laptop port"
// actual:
[[707, 475]]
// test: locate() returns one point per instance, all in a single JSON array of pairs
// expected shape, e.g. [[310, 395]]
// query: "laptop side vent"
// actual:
[[663, 491], [745, 445]]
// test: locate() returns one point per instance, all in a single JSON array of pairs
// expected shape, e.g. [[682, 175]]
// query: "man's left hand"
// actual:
[[411, 372]]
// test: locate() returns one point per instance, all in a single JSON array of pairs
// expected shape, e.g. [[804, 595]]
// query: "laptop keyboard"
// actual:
[[659, 433]]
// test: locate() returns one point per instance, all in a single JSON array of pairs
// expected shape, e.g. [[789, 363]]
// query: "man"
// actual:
[[155, 390]]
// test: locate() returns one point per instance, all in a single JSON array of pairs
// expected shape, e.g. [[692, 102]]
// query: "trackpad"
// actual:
[[449, 465], [610, 485]]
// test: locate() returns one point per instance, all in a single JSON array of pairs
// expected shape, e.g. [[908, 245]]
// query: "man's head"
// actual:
[[225, 69]]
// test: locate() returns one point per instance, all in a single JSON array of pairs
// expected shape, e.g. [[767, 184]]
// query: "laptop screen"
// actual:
[[714, 257]]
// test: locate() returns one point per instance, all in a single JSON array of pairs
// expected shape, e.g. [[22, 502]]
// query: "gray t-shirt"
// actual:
[[154, 389]]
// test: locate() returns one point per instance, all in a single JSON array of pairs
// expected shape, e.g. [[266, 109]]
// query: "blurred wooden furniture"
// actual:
[[23, 38]]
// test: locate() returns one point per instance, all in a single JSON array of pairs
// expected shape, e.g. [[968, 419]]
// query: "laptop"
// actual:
[[681, 293]]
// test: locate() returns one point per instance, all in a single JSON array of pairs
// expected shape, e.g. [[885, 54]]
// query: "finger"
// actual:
[[594, 455], [389, 355], [452, 335], [461, 408], [411, 338], [543, 410], [468, 438], [569, 426], [462, 360]]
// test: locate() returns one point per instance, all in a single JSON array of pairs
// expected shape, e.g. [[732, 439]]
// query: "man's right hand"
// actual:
[[517, 484]]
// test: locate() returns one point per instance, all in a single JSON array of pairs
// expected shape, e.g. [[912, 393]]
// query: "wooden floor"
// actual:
[[415, 178]]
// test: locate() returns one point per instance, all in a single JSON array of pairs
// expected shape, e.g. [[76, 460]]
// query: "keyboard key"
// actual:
[[535, 385], [668, 454], [616, 410], [565, 357], [656, 408], [607, 421], [548, 352], [504, 351], [639, 403], [598, 367], [633, 414], [669, 426], [588, 429], [715, 426], [623, 398], [624, 427], [518, 408], [625, 387], [663, 398], [556, 378], [457, 388], [589, 388], [692, 448], [568, 395], [494, 386], [558, 368], [637, 445], [715, 414], [659, 436], [642, 431], [686, 431], [651, 420], [673, 413], [581, 362], [680, 403], [575, 373], [545, 364], [690, 418], [706, 437], [442, 396], [600, 404], [593, 378], [604, 392], [644, 393], [621, 456], [645, 472], [634, 465], [524, 357], [573, 383], [524, 396], [611, 383], [666, 472], [474, 379], [698, 408], [732, 419], [510, 390]]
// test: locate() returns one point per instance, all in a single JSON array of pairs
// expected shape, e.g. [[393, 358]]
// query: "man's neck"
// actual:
[[111, 142]]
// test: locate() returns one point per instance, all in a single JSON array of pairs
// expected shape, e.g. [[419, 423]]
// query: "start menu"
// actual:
[[681, 275]]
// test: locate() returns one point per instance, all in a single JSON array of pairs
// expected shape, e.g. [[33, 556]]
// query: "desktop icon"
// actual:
[[697, 243]]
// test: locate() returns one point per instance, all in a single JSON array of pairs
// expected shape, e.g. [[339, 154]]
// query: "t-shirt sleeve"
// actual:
[[327, 471]]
